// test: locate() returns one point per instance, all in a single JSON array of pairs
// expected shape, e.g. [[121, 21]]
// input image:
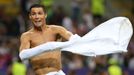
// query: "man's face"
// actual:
[[37, 16]]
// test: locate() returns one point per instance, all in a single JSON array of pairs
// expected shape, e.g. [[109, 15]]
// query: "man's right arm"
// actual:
[[24, 44], [24, 41]]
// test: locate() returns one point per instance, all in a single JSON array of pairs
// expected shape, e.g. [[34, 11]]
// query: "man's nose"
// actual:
[[36, 16]]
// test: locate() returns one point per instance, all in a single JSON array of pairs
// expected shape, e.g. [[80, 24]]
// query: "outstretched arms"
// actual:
[[26, 52], [97, 42], [30, 52]]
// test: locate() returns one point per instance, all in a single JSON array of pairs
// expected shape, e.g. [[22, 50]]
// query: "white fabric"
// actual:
[[60, 72], [111, 36]]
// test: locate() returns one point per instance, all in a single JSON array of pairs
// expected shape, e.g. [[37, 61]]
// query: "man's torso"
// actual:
[[47, 61]]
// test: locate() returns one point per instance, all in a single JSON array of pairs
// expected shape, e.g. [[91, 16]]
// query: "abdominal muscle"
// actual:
[[46, 62]]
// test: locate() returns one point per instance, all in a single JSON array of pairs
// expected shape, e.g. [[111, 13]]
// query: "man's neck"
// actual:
[[41, 28]]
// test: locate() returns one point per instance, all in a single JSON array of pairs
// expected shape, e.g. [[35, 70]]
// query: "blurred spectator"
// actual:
[[114, 68], [98, 10], [75, 10], [101, 65], [72, 72], [47, 3], [131, 63], [23, 5], [22, 23], [76, 62], [3, 30], [67, 23], [5, 59], [12, 25], [57, 16], [88, 18], [18, 68]]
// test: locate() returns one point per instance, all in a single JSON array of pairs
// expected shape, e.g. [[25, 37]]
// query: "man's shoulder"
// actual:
[[26, 34], [55, 27]]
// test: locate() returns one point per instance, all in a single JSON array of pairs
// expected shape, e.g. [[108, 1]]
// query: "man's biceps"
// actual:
[[24, 46]]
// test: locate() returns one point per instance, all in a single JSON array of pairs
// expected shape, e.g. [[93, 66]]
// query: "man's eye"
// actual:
[[32, 13], [40, 13]]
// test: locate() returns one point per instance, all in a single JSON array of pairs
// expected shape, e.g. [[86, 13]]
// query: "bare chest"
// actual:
[[40, 38]]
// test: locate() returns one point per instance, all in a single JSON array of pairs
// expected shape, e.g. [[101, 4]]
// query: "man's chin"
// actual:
[[38, 25]]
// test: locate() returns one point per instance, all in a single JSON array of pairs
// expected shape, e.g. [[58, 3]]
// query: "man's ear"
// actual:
[[45, 15], [29, 16]]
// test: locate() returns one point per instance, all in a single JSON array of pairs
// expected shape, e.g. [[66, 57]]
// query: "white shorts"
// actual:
[[60, 72]]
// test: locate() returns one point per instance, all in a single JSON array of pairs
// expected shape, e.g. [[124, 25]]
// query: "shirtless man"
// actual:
[[40, 33], [34, 42]]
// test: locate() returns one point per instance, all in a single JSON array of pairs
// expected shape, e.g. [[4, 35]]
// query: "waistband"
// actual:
[[60, 72]]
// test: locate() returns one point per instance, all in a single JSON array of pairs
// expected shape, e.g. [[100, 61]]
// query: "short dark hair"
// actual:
[[37, 6]]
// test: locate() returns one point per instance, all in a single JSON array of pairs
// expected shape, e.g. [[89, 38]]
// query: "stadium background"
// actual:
[[78, 16]]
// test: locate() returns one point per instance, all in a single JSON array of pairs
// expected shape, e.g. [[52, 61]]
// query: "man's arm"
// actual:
[[24, 42], [26, 53]]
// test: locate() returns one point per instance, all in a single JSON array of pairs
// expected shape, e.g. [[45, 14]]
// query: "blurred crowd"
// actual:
[[79, 17]]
